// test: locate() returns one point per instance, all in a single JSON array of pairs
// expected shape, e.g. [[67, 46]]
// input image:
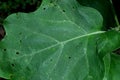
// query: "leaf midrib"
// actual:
[[62, 43]]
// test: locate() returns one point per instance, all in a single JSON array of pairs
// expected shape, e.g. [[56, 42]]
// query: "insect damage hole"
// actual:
[[63, 10], [17, 53], [11, 76], [20, 41], [51, 1], [12, 65], [51, 59], [44, 8], [5, 49], [69, 57], [20, 33], [55, 5]]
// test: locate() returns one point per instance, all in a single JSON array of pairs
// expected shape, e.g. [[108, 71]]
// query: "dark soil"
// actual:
[[7, 8]]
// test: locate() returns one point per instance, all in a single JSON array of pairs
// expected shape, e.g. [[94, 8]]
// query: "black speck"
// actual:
[[51, 2], [11, 76], [63, 10], [69, 57], [44, 8], [13, 65], [20, 33], [28, 68], [20, 41], [5, 49], [17, 53], [51, 60], [55, 5]]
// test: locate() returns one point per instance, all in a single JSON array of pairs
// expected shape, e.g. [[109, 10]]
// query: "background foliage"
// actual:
[[11, 6]]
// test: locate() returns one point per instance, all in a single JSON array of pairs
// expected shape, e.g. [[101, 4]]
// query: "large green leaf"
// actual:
[[107, 44], [62, 40]]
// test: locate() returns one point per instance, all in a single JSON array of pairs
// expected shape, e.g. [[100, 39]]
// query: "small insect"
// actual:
[[2, 32]]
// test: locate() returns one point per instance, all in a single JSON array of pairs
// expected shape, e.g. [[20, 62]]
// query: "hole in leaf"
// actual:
[[51, 2], [117, 51], [63, 10], [20, 33], [44, 8], [55, 5], [69, 57], [5, 49], [11, 76], [51, 60], [20, 41], [13, 65], [17, 53]]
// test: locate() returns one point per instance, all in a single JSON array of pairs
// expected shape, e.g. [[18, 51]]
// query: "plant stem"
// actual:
[[114, 12]]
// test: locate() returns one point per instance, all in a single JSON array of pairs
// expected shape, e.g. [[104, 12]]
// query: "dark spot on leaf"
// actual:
[[2, 32], [11, 76], [20, 33], [28, 68], [63, 10], [51, 2], [117, 51], [73, 7], [44, 8], [17, 53], [2, 79], [55, 5], [69, 57], [13, 65], [51, 60], [20, 41], [5, 49]]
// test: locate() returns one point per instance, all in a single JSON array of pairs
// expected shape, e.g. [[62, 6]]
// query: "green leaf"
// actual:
[[105, 8], [62, 40], [107, 44], [115, 70]]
